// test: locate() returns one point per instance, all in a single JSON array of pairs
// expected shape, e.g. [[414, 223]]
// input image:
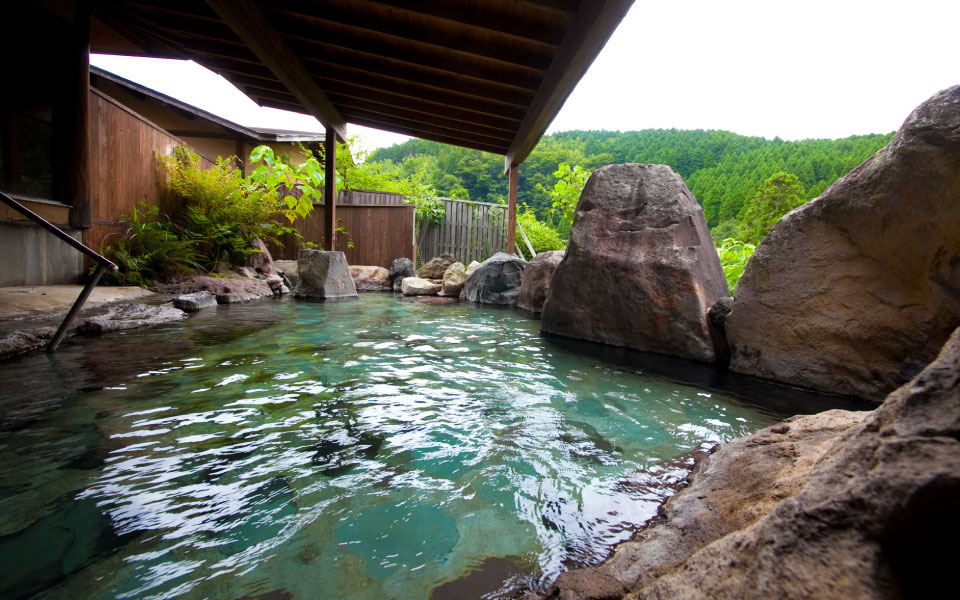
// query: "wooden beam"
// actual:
[[330, 190], [589, 31], [76, 120], [418, 28], [512, 210], [250, 24]]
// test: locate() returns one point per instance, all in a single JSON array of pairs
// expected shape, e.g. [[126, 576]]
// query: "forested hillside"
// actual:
[[723, 170]]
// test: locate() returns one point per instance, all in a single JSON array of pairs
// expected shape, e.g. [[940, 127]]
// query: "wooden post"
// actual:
[[330, 189], [512, 211], [76, 121]]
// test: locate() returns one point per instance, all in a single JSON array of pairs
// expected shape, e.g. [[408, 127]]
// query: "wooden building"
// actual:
[[483, 74]]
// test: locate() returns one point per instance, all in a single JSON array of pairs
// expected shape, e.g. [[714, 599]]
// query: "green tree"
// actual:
[[778, 195]]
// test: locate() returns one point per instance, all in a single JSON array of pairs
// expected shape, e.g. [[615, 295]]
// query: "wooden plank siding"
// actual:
[[124, 169], [469, 231], [380, 233]]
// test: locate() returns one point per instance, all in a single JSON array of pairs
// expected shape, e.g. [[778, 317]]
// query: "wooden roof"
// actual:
[[484, 74]]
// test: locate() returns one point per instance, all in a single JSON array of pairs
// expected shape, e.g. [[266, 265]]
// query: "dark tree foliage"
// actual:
[[722, 169]]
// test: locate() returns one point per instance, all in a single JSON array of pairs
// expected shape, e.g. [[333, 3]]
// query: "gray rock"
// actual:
[[398, 284], [436, 267], [288, 269], [496, 280], [261, 261], [640, 269], [400, 268], [454, 279], [195, 301], [417, 286], [20, 342], [274, 281], [324, 275], [370, 278], [130, 316], [536, 280], [852, 286]]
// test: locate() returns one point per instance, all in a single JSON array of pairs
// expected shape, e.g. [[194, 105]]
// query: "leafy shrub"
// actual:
[[542, 237], [734, 256], [153, 247], [223, 210]]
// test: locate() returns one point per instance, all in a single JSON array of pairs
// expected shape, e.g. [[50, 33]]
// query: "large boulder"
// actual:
[[324, 275], [454, 278], [260, 260], [640, 269], [436, 267], [496, 280], [872, 519], [417, 286], [836, 505], [853, 292], [370, 278], [536, 280]]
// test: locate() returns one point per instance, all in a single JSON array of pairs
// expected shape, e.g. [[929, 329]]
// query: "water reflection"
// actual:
[[353, 450]]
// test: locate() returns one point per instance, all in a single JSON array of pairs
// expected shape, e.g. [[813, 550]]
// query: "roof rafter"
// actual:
[[246, 19], [591, 28]]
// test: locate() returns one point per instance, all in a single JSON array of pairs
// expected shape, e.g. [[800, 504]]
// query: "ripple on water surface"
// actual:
[[371, 449]]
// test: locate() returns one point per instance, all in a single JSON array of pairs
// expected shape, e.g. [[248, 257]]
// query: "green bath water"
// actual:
[[380, 448]]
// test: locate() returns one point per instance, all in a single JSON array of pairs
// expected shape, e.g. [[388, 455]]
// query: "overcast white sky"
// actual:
[[813, 69]]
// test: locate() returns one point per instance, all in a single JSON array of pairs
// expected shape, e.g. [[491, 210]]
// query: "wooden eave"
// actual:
[[484, 74]]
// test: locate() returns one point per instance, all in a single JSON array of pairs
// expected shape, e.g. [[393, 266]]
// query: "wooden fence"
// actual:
[[469, 231], [380, 233]]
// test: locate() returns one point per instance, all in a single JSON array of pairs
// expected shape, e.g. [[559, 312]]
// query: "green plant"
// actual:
[[225, 211], [153, 247], [542, 237], [734, 255], [566, 191]]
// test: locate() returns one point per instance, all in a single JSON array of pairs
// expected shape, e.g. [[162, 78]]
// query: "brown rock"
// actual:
[[454, 279], [324, 275], [227, 290], [863, 282], [535, 281], [872, 519], [370, 279], [261, 261], [640, 269], [436, 267]]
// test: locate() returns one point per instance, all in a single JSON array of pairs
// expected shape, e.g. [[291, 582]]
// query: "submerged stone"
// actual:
[[324, 275], [641, 269]]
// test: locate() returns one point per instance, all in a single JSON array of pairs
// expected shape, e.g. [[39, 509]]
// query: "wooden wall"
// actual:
[[123, 167], [380, 233], [469, 231]]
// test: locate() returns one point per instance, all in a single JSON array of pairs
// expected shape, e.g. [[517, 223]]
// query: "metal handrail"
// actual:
[[102, 265]]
